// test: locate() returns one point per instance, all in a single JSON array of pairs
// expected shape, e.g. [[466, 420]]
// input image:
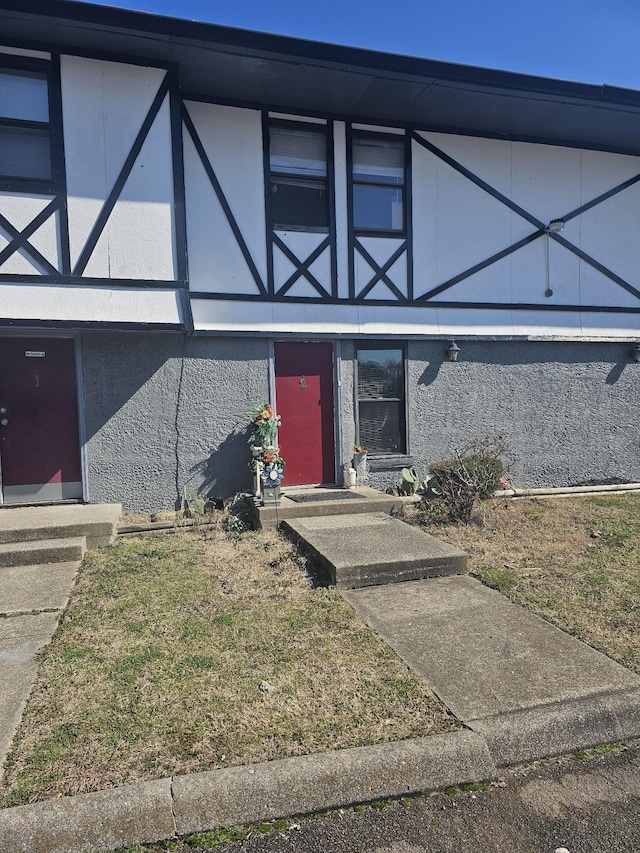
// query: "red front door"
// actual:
[[39, 439], [304, 401]]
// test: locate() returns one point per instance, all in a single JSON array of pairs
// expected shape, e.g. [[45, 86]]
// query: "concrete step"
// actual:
[[66, 550], [24, 589], [311, 502], [97, 522], [368, 549]]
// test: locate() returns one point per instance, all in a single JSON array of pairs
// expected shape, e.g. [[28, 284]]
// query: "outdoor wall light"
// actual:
[[635, 353], [555, 226], [452, 351]]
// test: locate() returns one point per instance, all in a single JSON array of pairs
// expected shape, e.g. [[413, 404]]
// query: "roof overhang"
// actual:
[[240, 66]]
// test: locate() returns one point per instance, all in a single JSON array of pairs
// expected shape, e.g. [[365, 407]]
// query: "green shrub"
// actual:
[[473, 474]]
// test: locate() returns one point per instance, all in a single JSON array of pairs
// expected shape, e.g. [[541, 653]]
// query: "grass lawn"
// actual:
[[202, 650], [573, 561]]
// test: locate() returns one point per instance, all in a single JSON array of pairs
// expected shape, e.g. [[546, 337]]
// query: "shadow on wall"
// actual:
[[226, 471]]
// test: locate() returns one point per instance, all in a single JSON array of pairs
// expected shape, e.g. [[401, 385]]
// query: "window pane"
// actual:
[[381, 427], [378, 207], [378, 160], [23, 95], [299, 202], [298, 152], [380, 374], [24, 153]]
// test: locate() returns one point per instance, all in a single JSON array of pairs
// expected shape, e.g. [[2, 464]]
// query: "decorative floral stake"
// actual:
[[267, 464]]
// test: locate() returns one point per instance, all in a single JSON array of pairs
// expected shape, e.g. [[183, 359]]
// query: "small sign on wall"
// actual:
[[34, 353]]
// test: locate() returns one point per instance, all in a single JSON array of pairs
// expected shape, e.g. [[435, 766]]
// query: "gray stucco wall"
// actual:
[[156, 422], [155, 425], [568, 410]]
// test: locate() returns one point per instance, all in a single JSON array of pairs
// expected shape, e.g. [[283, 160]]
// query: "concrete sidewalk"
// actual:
[[528, 688], [522, 688]]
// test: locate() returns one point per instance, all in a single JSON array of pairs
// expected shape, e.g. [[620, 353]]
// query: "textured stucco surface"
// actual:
[[156, 423], [568, 410]]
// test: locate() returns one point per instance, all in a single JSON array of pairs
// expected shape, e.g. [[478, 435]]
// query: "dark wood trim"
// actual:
[[22, 238], [26, 245], [302, 267], [381, 271]]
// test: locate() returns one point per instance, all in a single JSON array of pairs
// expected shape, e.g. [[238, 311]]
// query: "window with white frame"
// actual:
[[380, 390], [298, 177], [378, 183], [25, 140]]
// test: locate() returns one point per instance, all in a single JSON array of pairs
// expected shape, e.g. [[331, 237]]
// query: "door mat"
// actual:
[[312, 497]]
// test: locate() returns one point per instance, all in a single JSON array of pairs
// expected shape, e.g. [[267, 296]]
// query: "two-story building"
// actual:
[[196, 219]]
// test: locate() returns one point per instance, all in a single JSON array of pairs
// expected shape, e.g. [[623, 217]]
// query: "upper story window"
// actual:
[[378, 183], [298, 172], [25, 143]]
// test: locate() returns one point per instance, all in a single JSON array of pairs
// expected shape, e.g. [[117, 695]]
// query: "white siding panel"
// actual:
[[364, 320], [381, 291], [138, 237], [94, 304], [609, 233], [602, 172], [283, 268], [598, 289], [46, 240], [488, 159], [321, 269], [19, 263], [216, 262], [232, 139], [20, 210], [104, 106], [425, 217], [380, 248], [546, 179], [363, 272], [398, 273], [457, 224], [342, 250], [303, 289], [608, 325], [301, 243]]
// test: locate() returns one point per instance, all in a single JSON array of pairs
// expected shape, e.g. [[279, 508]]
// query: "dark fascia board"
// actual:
[[327, 54]]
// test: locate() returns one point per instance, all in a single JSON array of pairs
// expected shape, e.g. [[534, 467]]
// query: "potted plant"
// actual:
[[360, 464]]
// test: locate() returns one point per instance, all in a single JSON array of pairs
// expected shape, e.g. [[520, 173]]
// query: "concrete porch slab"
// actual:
[[95, 521], [530, 689], [355, 501], [371, 548]]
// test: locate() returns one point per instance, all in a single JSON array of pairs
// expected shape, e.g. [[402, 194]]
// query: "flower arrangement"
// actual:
[[264, 425], [358, 448]]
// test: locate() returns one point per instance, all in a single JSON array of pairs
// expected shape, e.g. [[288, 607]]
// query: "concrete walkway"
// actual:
[[522, 688], [528, 688], [41, 549]]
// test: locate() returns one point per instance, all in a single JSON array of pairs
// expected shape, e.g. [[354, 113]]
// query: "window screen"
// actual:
[[25, 145], [298, 190], [378, 184], [381, 400]]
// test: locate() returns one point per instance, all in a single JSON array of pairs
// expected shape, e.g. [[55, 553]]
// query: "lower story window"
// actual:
[[381, 399]]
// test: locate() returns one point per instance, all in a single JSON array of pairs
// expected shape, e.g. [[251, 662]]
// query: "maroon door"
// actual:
[[304, 401], [39, 439]]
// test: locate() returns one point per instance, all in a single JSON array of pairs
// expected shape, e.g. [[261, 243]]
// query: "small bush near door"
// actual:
[[474, 473]]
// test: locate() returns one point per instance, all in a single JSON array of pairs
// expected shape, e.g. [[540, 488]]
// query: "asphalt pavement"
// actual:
[[567, 804]]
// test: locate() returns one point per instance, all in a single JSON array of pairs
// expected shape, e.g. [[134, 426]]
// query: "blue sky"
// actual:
[[592, 41]]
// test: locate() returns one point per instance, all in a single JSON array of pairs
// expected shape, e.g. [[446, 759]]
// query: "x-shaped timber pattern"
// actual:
[[539, 226]]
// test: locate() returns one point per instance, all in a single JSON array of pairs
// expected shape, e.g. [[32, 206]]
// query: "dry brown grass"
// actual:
[[574, 561], [202, 650]]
